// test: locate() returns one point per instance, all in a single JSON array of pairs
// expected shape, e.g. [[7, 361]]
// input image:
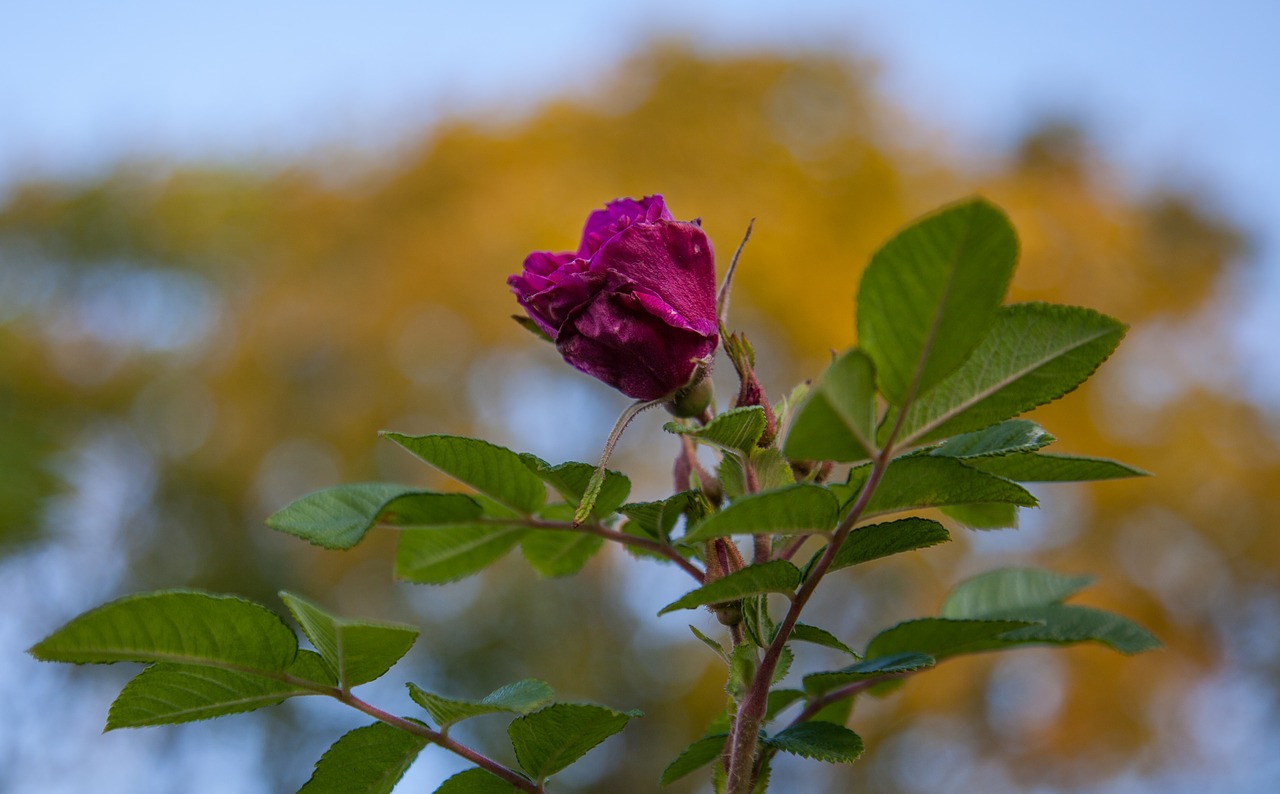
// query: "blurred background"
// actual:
[[236, 241]]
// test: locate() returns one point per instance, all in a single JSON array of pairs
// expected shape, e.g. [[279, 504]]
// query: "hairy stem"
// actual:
[[744, 733], [722, 299], [847, 691], [793, 547], [344, 695], [614, 535], [435, 737], [597, 477]]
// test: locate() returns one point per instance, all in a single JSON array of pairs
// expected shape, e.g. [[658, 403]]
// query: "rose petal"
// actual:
[[636, 308], [551, 286], [617, 339], [668, 258], [616, 216]]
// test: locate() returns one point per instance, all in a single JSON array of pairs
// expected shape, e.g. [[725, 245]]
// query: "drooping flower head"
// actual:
[[635, 306]]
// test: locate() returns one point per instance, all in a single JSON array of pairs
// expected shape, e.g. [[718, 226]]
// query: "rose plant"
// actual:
[[911, 434]]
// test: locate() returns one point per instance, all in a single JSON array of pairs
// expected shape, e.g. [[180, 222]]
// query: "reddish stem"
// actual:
[[744, 734]]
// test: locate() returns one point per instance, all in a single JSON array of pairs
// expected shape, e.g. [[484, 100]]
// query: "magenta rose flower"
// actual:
[[635, 306]]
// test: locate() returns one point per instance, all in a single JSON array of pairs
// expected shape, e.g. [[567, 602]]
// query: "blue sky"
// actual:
[[1173, 84], [1175, 90]]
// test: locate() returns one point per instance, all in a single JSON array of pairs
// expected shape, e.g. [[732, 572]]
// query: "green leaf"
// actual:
[[742, 671], [983, 516], [168, 693], [656, 519], [490, 469], [785, 408], [475, 781], [428, 509], [694, 757], [1010, 436], [368, 760], [776, 576], [822, 741], [1035, 353], [1066, 624], [1036, 595], [794, 509], [1031, 467], [785, 658], [837, 420], [756, 621], [915, 482], [893, 537], [880, 667], [836, 712], [549, 740], [358, 651], [779, 699], [710, 643], [559, 552], [532, 327], [942, 637], [521, 697], [771, 467], [570, 481], [337, 518], [180, 626], [802, 632], [999, 591], [447, 554], [929, 295], [309, 666], [738, 429]]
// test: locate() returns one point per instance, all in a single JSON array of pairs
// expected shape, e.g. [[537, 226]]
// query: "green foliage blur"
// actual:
[[205, 345]]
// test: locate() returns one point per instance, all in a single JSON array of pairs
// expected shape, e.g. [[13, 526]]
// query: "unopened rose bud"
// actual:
[[693, 400], [729, 614]]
